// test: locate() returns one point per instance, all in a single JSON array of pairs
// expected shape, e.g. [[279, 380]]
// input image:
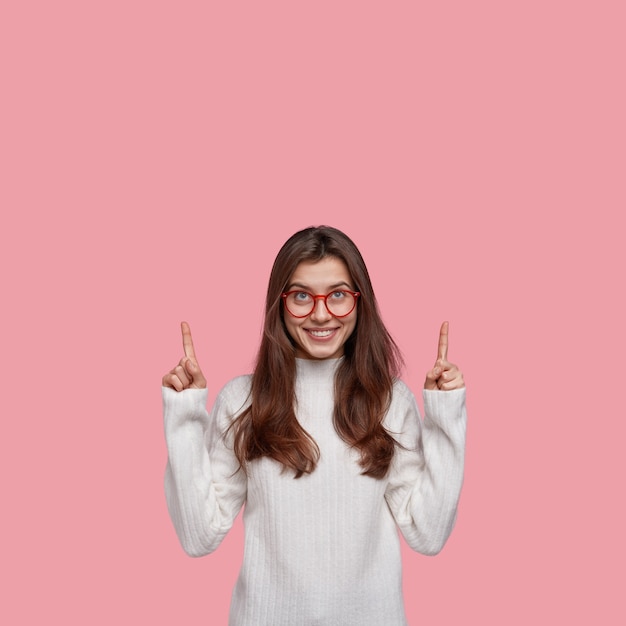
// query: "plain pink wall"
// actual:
[[155, 155]]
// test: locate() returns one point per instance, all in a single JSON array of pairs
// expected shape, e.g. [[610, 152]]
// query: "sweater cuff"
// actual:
[[444, 407], [181, 406]]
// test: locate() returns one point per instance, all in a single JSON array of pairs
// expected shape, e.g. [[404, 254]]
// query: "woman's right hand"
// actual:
[[187, 374]]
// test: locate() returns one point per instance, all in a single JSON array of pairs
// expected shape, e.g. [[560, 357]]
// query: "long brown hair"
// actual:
[[363, 380]]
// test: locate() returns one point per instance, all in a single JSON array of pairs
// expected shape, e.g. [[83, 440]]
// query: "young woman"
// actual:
[[324, 445]]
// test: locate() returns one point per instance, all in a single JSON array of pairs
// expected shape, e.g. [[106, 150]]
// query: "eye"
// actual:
[[338, 295], [301, 297]]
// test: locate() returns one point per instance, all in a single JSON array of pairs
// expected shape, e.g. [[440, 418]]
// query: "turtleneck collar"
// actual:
[[317, 369]]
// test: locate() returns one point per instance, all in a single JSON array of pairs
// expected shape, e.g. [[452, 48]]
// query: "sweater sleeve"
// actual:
[[426, 474], [204, 485]]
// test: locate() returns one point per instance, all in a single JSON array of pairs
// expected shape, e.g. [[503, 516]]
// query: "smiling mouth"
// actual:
[[321, 333]]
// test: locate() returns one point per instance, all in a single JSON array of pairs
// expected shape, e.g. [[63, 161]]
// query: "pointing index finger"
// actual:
[[187, 341], [442, 351]]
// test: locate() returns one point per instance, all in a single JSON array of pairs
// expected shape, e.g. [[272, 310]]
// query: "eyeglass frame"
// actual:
[[354, 294]]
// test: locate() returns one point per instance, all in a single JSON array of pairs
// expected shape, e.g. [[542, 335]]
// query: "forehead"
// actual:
[[320, 275]]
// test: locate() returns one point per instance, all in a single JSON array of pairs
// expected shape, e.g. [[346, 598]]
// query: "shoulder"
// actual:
[[233, 398], [236, 389], [402, 406], [401, 394], [235, 394]]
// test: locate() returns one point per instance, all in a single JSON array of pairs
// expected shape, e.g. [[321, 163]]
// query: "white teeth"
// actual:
[[320, 333]]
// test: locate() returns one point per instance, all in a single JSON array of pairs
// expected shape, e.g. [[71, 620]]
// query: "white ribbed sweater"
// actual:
[[322, 549]]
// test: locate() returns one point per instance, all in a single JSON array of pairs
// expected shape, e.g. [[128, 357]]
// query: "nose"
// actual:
[[320, 313]]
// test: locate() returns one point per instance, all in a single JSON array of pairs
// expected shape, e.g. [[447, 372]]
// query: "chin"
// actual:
[[319, 352]]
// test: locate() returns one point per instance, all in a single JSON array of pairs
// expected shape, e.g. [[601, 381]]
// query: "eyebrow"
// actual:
[[307, 288]]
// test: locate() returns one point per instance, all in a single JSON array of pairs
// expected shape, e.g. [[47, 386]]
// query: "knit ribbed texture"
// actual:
[[322, 549]]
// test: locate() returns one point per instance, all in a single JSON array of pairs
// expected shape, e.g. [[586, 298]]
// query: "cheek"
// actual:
[[291, 328], [350, 327]]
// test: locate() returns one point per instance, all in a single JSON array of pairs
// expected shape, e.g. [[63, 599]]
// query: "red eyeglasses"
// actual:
[[340, 302]]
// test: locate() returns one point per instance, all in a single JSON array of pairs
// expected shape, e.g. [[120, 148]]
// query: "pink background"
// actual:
[[154, 157]]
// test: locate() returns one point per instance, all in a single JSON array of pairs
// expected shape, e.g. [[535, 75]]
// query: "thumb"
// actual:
[[190, 366], [431, 378], [195, 373]]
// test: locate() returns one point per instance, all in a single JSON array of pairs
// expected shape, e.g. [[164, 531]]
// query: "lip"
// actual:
[[331, 334]]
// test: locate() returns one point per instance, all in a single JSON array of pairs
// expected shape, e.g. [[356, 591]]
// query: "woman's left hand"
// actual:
[[444, 375]]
